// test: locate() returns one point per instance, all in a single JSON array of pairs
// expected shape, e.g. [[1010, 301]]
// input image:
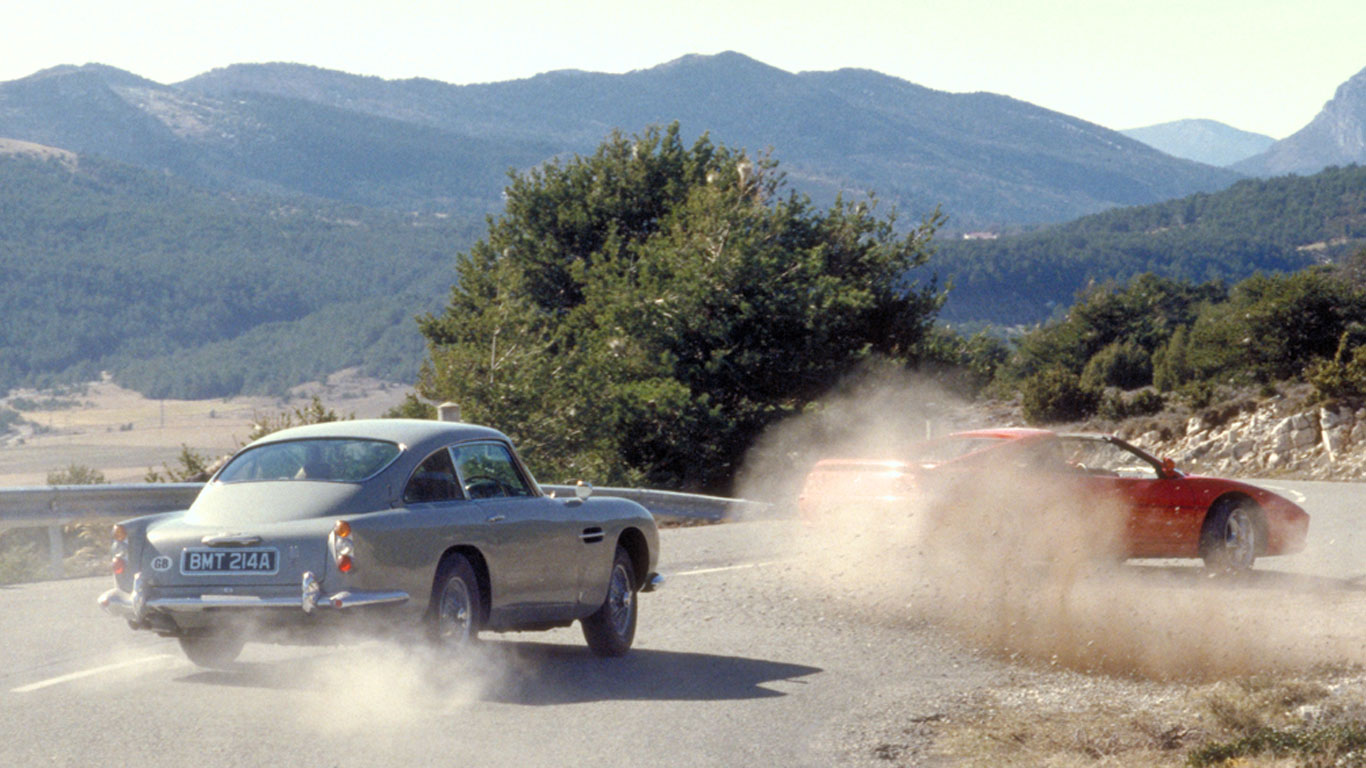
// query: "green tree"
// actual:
[[640, 315], [1170, 366]]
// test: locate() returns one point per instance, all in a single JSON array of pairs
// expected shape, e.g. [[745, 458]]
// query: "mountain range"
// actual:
[[1204, 141], [419, 144], [260, 225]]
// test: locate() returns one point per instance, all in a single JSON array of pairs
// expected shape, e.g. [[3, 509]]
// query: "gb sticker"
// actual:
[[161, 563]]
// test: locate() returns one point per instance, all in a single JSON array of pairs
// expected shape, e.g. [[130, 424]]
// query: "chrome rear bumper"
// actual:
[[137, 604]]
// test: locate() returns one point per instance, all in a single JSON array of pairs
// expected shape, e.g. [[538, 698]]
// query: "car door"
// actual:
[[536, 544], [1156, 504]]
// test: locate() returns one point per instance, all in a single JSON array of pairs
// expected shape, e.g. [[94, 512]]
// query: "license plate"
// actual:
[[206, 562]]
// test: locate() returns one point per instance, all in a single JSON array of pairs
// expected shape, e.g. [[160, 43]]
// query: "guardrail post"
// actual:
[[54, 545]]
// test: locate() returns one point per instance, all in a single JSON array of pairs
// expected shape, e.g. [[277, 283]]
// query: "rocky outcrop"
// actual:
[[1324, 442], [1336, 136]]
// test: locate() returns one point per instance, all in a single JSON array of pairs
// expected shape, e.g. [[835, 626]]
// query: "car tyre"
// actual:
[[456, 605], [1230, 537], [612, 628], [212, 650]]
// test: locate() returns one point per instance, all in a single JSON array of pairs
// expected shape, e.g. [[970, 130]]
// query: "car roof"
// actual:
[[414, 433]]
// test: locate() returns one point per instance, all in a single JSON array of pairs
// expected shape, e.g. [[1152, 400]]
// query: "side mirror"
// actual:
[[1168, 468], [582, 490]]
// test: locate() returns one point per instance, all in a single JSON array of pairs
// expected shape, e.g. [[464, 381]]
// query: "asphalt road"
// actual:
[[738, 660]]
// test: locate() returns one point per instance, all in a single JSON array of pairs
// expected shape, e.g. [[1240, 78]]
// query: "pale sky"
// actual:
[[1258, 65]]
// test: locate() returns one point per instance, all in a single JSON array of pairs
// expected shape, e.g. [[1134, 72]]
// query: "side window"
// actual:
[[487, 470], [433, 480]]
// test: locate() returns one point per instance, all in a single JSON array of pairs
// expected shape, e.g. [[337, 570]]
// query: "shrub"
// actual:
[[76, 474], [1342, 377], [1144, 402], [1119, 364], [1055, 395]]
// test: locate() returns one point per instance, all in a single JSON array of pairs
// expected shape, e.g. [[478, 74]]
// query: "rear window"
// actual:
[[340, 460]]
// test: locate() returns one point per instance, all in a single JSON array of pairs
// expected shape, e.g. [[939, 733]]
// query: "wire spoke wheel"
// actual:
[[612, 628]]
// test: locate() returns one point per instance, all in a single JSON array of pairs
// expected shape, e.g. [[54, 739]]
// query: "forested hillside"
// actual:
[[424, 145], [182, 292], [1275, 225]]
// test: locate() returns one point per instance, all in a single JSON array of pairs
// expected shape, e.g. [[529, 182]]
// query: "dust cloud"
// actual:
[[1024, 564], [372, 675]]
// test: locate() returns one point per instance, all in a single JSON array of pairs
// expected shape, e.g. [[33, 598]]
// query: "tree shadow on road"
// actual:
[[534, 674]]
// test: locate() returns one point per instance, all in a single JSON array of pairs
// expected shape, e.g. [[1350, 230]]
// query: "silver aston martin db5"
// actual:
[[433, 524]]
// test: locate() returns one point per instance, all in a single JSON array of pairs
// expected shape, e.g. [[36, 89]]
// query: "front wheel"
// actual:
[[1230, 538], [213, 650], [612, 628]]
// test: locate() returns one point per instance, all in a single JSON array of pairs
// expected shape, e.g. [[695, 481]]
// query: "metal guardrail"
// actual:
[[54, 506]]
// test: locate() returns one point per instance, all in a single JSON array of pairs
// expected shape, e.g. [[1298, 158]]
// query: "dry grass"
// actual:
[[123, 434], [1255, 721]]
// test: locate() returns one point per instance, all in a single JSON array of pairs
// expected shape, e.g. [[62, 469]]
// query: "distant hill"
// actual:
[[1275, 225], [261, 143], [1336, 136], [425, 145], [1204, 141], [182, 292]]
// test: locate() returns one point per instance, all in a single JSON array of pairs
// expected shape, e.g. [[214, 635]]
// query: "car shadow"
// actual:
[[534, 674]]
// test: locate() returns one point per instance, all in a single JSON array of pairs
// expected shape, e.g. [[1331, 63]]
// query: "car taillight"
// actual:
[[118, 550], [343, 547]]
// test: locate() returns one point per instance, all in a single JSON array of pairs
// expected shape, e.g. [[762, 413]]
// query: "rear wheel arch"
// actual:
[[481, 573]]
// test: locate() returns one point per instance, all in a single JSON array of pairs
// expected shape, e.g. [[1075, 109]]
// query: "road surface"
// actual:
[[747, 656]]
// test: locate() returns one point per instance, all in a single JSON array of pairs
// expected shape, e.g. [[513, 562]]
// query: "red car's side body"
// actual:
[[1168, 513]]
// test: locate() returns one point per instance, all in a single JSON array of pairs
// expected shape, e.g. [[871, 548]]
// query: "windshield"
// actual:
[[343, 460], [950, 447]]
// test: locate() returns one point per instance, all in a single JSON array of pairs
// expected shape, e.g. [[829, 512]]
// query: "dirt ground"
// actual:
[[123, 434]]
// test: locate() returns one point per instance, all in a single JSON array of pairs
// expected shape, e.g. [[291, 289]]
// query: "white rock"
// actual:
[[1304, 437]]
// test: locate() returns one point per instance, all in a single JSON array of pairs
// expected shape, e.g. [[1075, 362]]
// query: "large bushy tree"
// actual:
[[640, 315]]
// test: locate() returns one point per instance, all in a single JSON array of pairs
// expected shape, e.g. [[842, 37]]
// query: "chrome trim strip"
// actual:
[[230, 540], [138, 599], [119, 603]]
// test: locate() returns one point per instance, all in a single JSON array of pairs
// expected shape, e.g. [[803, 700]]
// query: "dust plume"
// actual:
[[1024, 563]]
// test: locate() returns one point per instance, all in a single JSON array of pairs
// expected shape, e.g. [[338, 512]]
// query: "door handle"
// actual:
[[497, 518]]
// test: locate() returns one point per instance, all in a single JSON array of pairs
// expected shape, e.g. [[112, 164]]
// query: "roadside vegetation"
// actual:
[[1312, 721], [1130, 350]]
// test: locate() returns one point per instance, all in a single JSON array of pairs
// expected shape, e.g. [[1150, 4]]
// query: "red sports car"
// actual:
[[1169, 513]]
